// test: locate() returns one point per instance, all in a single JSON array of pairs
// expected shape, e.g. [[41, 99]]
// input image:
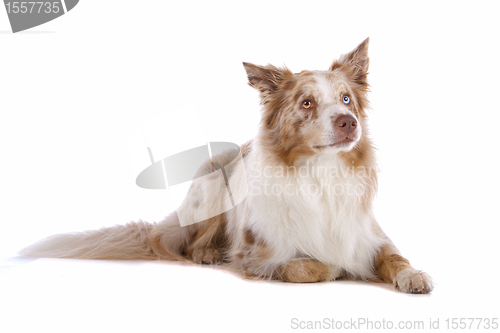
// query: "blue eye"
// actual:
[[346, 100]]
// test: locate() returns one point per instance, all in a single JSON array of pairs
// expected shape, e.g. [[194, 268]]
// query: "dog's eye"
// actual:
[[306, 104], [346, 100]]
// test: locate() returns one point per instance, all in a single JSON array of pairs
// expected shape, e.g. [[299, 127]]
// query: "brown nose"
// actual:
[[345, 123]]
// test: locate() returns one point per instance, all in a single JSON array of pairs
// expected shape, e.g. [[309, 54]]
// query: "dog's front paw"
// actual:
[[413, 281]]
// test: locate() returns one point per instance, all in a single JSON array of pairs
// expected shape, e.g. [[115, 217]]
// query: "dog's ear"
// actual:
[[355, 62], [266, 79]]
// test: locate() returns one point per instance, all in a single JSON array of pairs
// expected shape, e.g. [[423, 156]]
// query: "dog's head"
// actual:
[[314, 112]]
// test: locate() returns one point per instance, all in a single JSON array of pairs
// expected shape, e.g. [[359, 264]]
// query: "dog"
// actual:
[[309, 176]]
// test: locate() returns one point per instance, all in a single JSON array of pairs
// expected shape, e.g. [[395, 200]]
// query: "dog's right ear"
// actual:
[[266, 79]]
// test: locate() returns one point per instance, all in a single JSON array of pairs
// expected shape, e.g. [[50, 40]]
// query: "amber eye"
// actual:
[[306, 104]]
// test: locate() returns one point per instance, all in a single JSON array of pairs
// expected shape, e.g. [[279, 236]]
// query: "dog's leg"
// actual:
[[306, 270], [201, 242], [208, 242], [395, 269]]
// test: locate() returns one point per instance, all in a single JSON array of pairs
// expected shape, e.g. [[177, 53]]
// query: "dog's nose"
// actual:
[[345, 123]]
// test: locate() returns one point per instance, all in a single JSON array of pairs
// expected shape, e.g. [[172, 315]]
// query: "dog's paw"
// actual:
[[208, 256], [413, 281]]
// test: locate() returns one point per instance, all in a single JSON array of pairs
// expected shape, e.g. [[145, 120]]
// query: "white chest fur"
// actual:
[[313, 211]]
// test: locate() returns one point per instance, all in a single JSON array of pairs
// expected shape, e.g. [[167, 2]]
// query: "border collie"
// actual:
[[309, 178]]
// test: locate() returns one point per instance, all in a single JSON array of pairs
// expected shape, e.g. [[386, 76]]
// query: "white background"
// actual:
[[75, 91]]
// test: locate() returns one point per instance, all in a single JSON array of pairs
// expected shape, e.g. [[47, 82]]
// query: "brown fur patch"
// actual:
[[250, 258], [388, 263], [248, 237], [303, 271]]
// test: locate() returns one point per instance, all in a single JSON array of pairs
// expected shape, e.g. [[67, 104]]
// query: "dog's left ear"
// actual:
[[355, 62]]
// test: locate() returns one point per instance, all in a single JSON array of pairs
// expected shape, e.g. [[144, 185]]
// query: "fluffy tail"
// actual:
[[130, 241]]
